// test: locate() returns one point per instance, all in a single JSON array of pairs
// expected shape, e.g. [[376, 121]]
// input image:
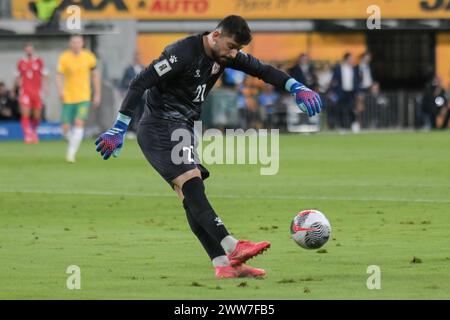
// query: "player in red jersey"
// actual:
[[31, 74]]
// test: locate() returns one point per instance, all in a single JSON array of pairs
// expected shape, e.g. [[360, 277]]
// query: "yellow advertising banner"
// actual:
[[250, 9]]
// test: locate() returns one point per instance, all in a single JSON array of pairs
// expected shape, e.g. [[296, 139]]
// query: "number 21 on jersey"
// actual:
[[200, 93]]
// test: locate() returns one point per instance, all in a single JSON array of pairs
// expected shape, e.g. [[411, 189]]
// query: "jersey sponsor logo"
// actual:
[[434, 5], [162, 67], [179, 6], [91, 5], [215, 68], [197, 73]]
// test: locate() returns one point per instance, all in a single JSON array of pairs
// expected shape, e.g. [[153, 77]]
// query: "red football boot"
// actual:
[[246, 250], [240, 271], [34, 137], [28, 137]]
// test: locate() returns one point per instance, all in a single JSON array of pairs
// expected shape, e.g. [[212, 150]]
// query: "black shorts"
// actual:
[[154, 138]]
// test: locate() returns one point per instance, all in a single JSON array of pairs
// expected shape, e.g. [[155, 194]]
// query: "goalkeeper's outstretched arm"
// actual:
[[307, 100]]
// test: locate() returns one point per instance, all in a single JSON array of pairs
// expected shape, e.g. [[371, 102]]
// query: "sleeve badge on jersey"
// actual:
[[162, 67]]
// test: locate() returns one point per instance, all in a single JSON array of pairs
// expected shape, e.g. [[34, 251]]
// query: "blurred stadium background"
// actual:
[[409, 67]]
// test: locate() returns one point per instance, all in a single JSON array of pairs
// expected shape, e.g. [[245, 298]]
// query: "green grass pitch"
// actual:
[[387, 196]]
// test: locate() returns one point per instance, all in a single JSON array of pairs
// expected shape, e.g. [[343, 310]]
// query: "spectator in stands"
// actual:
[[9, 108], [248, 102], [433, 102], [365, 85], [303, 71], [376, 102], [130, 72], [443, 118], [268, 101], [365, 72], [345, 88], [324, 77], [232, 78], [241, 106]]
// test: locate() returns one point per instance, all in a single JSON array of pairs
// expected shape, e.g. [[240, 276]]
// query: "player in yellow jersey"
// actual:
[[76, 68]]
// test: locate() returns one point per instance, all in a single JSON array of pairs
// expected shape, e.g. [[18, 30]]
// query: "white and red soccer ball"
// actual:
[[310, 229]]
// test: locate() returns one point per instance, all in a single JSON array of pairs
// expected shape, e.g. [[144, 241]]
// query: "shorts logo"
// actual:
[[82, 111], [162, 67]]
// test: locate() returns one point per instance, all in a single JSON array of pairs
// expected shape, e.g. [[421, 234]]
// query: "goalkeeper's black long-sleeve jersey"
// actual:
[[180, 79]]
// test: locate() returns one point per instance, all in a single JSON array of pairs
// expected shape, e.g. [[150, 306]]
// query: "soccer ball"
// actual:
[[310, 229]]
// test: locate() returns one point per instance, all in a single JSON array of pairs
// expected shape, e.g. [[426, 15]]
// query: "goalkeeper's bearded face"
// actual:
[[224, 47]]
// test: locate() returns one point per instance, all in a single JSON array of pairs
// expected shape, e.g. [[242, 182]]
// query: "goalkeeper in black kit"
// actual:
[[178, 83]]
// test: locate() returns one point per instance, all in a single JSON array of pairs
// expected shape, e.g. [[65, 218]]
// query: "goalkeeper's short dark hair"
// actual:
[[236, 27]]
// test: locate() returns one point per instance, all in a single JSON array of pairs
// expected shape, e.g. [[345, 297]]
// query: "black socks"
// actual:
[[201, 214], [212, 247]]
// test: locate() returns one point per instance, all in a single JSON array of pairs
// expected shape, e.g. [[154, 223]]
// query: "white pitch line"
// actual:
[[365, 185], [228, 196]]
